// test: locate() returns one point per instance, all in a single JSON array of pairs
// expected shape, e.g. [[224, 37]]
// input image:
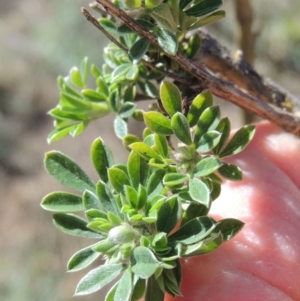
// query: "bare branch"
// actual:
[[218, 87], [234, 68]]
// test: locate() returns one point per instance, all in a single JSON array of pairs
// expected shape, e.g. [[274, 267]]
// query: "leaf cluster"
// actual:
[[151, 212], [147, 214], [124, 78]]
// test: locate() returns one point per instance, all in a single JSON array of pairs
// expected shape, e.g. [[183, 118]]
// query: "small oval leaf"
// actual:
[[62, 202], [73, 225], [199, 192], [158, 123], [181, 129], [67, 172], [102, 158], [239, 141], [97, 278], [82, 259], [231, 172], [170, 97]]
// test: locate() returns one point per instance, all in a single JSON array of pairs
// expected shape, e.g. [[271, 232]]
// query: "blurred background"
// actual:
[[40, 40]]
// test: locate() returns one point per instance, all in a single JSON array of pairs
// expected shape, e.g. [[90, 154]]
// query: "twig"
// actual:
[[95, 22], [234, 68], [219, 87]]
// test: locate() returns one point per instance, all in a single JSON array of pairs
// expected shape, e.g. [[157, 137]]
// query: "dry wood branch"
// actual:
[[219, 87], [234, 68]]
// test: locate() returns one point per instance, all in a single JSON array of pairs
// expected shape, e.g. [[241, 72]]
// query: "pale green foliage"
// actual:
[[152, 211]]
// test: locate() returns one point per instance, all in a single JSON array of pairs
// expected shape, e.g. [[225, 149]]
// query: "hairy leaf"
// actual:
[[73, 225], [62, 202], [97, 278], [67, 172]]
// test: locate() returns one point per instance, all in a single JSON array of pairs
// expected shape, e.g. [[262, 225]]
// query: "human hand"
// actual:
[[263, 261]]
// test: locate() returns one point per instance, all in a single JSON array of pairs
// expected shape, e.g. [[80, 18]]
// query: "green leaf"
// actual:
[[194, 230], [114, 100], [163, 17], [120, 72], [73, 225], [143, 262], [142, 196], [194, 46], [95, 213], [78, 129], [145, 151], [239, 141], [199, 192], [91, 201], [67, 172], [208, 121], [208, 141], [194, 210], [170, 98], [170, 283], [62, 202], [158, 123], [230, 172], [131, 196], [154, 185], [102, 158], [207, 166], [117, 178], [130, 93], [174, 179], [127, 110], [125, 287], [105, 246], [137, 169], [203, 7], [151, 89], [108, 25], [184, 3], [199, 104], [120, 127], [132, 73], [76, 78], [132, 4], [168, 215], [153, 291], [84, 69], [203, 247], [224, 128], [229, 227], [181, 128], [105, 197], [102, 87], [167, 41], [110, 296], [58, 134], [220, 14], [97, 278], [139, 290], [92, 95], [95, 71], [162, 145], [150, 4], [129, 139], [138, 49], [82, 259]]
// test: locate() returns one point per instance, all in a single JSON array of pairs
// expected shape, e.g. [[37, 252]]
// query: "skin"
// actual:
[[263, 261]]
